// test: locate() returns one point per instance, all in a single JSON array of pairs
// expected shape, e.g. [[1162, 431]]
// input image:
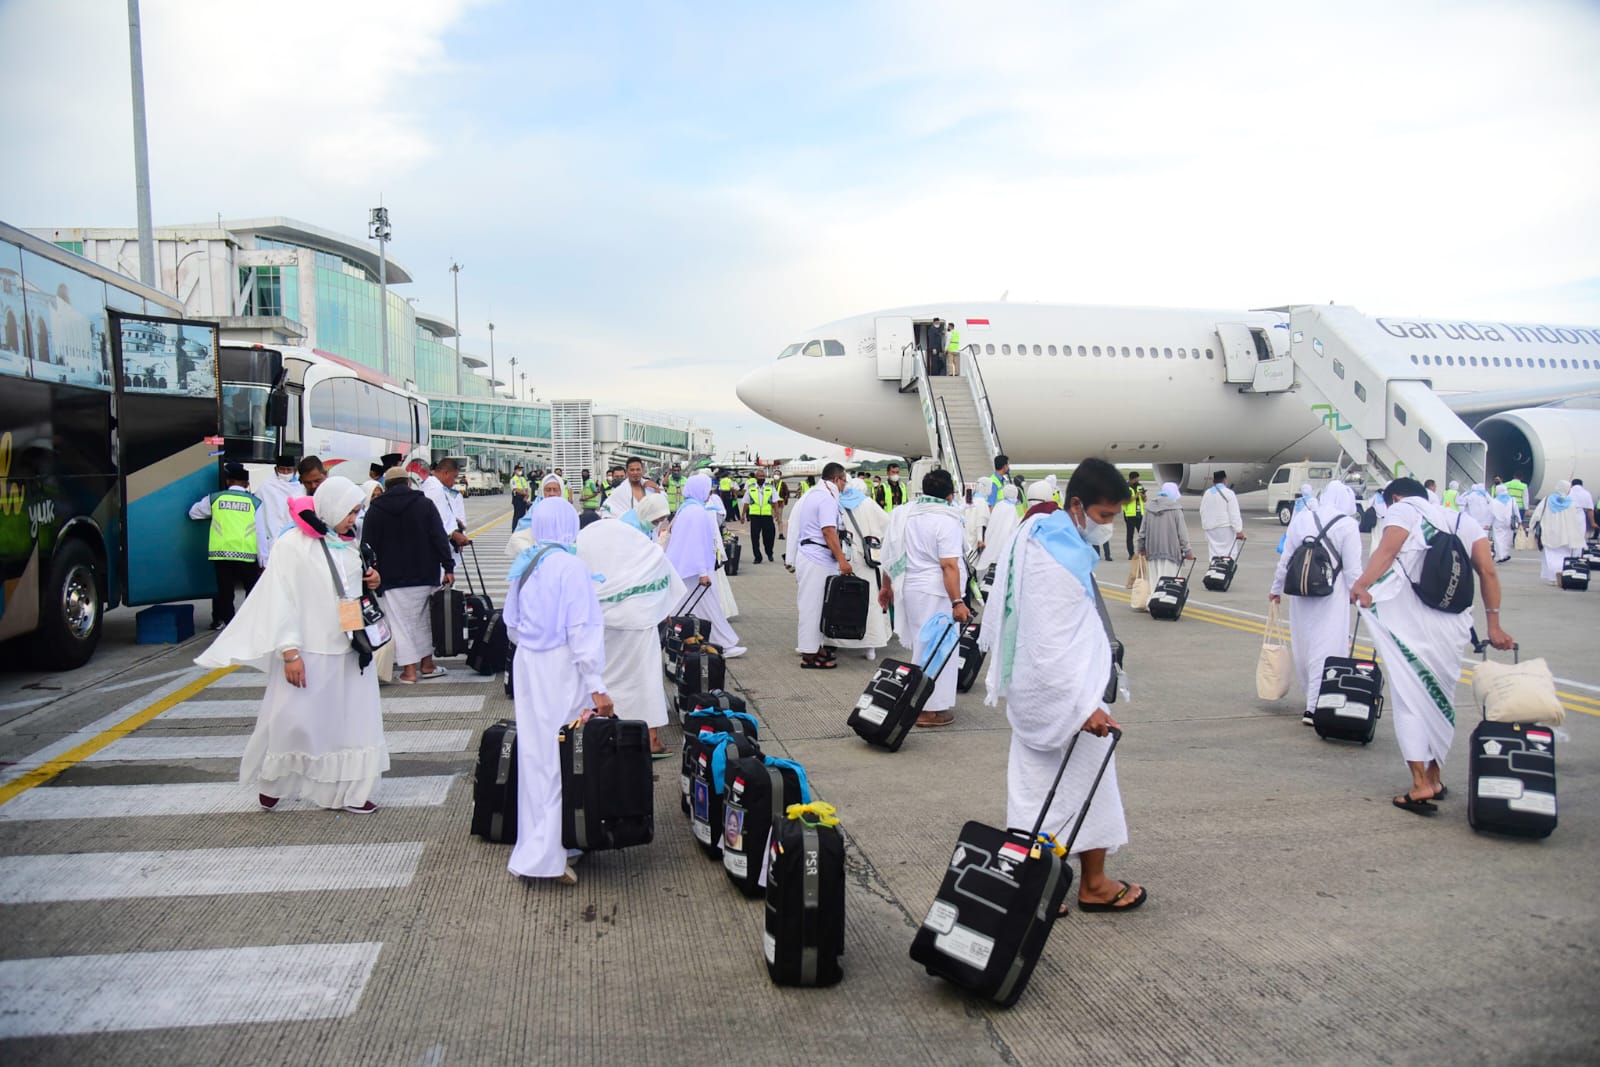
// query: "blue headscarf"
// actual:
[[1060, 537], [554, 524], [1559, 500]]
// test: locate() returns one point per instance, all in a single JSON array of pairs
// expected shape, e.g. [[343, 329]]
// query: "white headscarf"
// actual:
[[1170, 490], [336, 498], [1041, 491], [1337, 498], [546, 480]]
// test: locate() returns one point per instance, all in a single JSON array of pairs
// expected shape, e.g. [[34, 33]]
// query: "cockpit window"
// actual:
[[832, 348], [813, 348], [791, 350]]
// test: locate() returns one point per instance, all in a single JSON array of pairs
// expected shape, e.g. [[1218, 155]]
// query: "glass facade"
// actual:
[[642, 433], [504, 421], [276, 292]]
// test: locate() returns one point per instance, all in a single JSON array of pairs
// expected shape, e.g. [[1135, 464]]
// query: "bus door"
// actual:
[[168, 439]]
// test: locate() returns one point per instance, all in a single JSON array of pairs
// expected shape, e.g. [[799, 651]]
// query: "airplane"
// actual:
[[1161, 387]]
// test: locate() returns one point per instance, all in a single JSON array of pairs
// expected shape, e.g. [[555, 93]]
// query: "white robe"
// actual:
[[976, 521], [451, 507], [620, 500], [639, 589], [554, 616], [1003, 522], [1057, 679], [406, 609], [1319, 626], [913, 554], [1503, 530], [1560, 535], [1422, 674], [274, 496], [324, 742], [873, 521]]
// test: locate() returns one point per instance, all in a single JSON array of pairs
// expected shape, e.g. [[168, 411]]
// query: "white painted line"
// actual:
[[91, 731], [246, 709], [17, 704], [157, 990], [247, 678], [205, 872], [196, 798], [193, 672], [174, 749]]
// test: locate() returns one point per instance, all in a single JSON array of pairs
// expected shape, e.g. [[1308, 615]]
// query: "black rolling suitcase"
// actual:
[[1220, 571], [970, 658], [1350, 700], [1511, 776], [489, 651], [896, 695], [701, 669], [607, 788], [507, 678], [447, 611], [1001, 894], [1170, 595], [760, 790], [805, 900], [477, 607], [708, 784], [845, 602], [680, 627], [1591, 554], [494, 784], [707, 716], [1575, 573], [732, 551]]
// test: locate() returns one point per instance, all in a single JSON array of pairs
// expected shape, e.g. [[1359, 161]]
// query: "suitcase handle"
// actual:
[[1115, 734], [1481, 647], [691, 599], [479, 569]]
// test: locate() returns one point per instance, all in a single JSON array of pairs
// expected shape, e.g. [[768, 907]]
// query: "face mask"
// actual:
[[285, 477], [1096, 533], [894, 477]]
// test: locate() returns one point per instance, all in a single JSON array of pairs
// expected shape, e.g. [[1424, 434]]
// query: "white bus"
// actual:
[[282, 398]]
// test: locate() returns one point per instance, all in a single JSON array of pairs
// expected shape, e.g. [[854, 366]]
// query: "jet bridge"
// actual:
[[1376, 402]]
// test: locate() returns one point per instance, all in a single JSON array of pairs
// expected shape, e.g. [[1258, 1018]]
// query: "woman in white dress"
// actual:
[[693, 550], [319, 731], [1561, 530], [553, 614]]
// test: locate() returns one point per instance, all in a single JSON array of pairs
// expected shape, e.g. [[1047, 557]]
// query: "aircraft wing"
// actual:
[[1468, 405]]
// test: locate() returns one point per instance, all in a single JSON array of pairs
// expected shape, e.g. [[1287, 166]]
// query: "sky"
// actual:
[[650, 199]]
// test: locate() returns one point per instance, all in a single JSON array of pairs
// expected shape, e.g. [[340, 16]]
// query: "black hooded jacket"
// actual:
[[403, 530]]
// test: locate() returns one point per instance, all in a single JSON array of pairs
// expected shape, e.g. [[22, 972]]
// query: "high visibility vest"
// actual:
[[889, 491], [675, 491], [1135, 505], [1450, 498], [591, 494], [233, 527], [1518, 490], [954, 344], [999, 484], [726, 485], [761, 499], [520, 484]]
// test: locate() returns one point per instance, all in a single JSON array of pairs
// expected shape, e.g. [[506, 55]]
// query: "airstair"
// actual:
[[1377, 403], [962, 436]]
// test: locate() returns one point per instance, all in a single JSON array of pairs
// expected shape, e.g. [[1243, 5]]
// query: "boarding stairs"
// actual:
[[962, 436], [1378, 404]]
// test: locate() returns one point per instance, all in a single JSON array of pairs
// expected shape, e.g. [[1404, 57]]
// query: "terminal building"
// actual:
[[281, 281]]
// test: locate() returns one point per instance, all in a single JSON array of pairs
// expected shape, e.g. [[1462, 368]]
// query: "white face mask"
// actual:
[[894, 477], [284, 477], [1096, 533]]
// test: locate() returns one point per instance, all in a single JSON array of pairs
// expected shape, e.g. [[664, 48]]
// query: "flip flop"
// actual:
[[817, 664], [437, 672], [665, 753], [1112, 905], [1416, 807]]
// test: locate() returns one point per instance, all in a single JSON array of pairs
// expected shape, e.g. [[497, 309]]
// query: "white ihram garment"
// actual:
[[639, 589], [406, 609], [1320, 626], [867, 519], [916, 545]]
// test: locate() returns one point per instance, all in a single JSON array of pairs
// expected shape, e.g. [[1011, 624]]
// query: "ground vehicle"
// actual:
[[282, 398], [483, 483], [109, 423], [1286, 481]]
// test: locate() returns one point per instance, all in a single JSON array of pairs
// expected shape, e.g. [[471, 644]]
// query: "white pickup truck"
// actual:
[[482, 483]]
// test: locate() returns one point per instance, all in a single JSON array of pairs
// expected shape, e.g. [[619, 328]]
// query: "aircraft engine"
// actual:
[[1543, 446], [1195, 478]]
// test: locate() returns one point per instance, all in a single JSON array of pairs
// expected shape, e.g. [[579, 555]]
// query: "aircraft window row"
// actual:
[[1112, 351], [1508, 361], [813, 348]]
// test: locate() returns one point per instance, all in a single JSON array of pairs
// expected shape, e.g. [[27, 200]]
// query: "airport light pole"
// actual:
[[455, 284], [513, 381], [378, 229], [524, 384], [491, 360], [141, 152]]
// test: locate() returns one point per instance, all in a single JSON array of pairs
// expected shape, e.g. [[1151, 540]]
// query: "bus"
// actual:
[[279, 399], [109, 420]]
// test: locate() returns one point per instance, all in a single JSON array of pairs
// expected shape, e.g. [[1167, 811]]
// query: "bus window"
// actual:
[[369, 410], [322, 412], [396, 417]]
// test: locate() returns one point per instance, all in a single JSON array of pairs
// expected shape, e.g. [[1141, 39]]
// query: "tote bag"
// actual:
[[1274, 669], [1139, 587]]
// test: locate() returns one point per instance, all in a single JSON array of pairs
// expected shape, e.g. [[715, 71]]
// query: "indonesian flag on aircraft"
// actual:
[[977, 324]]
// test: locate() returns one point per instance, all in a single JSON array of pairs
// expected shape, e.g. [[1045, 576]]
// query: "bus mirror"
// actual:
[[277, 409]]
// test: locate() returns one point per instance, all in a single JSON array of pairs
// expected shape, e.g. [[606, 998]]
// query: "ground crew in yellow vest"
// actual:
[[521, 495], [591, 496], [761, 503], [953, 347], [1519, 496], [1450, 495], [725, 491], [995, 487], [238, 535], [891, 494], [674, 487], [1133, 510]]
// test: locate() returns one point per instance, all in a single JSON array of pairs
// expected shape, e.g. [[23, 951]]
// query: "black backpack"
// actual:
[[1314, 568], [1369, 519], [1445, 581]]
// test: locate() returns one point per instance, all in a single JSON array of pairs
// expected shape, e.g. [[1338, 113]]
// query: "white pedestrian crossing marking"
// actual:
[[205, 872], [232, 746], [196, 798], [392, 705], [207, 987], [249, 679]]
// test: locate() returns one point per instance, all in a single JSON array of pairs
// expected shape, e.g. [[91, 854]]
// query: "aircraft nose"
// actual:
[[757, 389]]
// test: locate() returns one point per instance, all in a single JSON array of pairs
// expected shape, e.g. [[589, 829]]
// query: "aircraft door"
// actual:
[[1238, 352], [893, 335]]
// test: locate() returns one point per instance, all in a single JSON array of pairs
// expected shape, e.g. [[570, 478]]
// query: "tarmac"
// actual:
[[149, 912]]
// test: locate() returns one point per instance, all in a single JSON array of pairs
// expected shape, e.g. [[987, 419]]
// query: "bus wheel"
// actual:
[[70, 612]]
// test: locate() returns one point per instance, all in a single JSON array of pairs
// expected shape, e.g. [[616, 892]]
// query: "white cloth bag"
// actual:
[[1274, 668], [1139, 585], [1518, 692]]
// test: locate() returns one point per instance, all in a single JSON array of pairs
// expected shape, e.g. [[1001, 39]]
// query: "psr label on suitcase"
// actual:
[[737, 864], [769, 945], [941, 917], [1534, 803], [966, 945], [870, 712], [1499, 788]]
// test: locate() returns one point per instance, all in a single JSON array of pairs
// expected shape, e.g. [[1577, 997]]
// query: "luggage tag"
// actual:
[[350, 619]]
